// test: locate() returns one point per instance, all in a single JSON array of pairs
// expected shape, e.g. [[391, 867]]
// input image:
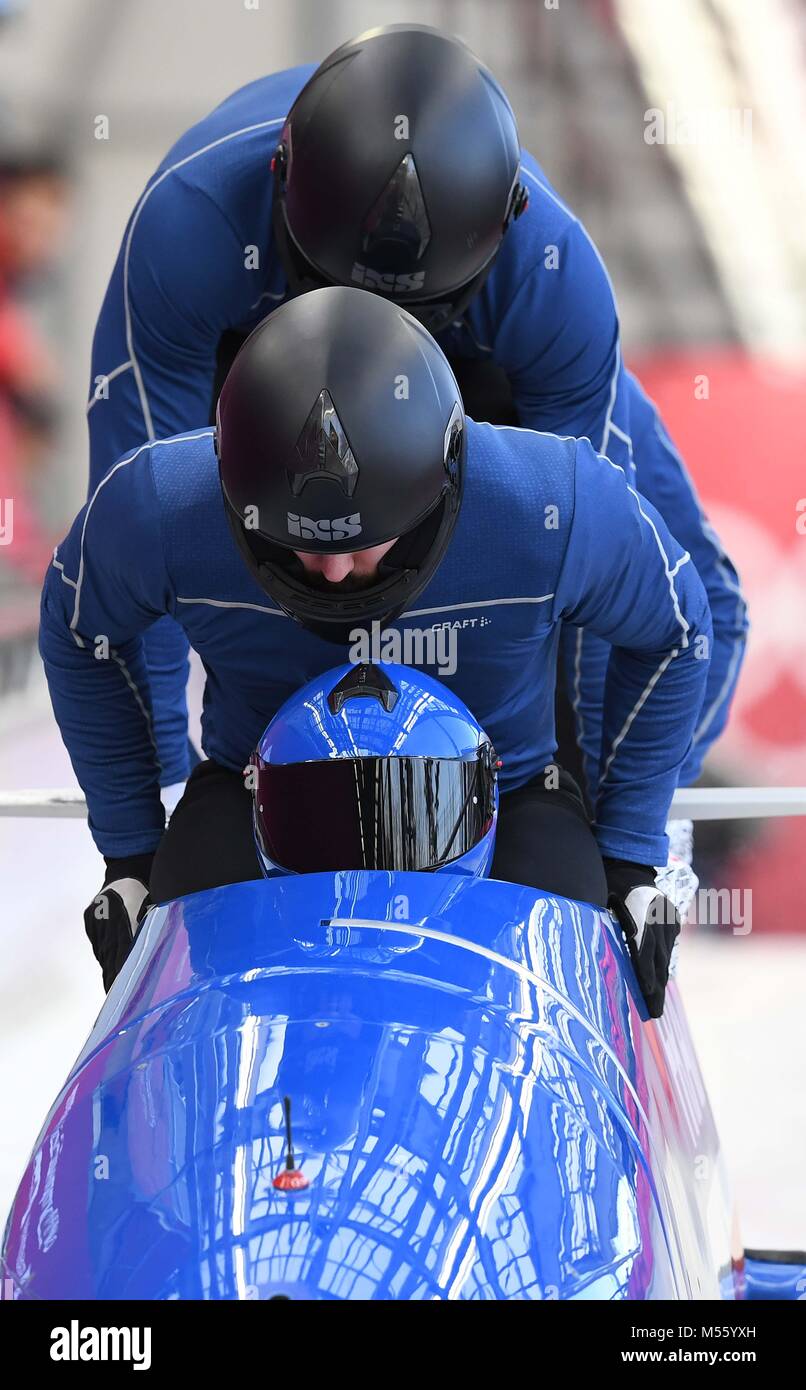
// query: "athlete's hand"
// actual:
[[650, 925], [112, 917]]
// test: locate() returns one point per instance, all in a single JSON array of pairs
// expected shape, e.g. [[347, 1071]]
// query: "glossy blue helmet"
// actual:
[[374, 767]]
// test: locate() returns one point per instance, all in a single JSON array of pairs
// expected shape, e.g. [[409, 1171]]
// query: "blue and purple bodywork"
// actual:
[[479, 1109]]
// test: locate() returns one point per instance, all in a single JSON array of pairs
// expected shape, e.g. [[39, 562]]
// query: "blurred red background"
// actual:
[[740, 423]]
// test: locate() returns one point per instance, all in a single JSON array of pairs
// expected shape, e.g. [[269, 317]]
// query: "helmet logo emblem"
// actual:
[[396, 230], [337, 528], [376, 280], [324, 450]]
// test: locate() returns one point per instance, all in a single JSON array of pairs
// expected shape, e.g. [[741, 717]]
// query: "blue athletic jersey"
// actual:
[[197, 259], [548, 533]]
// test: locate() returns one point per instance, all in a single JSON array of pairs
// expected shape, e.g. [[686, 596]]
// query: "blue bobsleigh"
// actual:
[[375, 1084], [476, 1109]]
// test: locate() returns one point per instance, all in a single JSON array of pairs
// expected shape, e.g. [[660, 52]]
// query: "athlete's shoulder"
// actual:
[[189, 504], [517, 509], [547, 209], [510, 454], [145, 496], [241, 120], [161, 473], [184, 467], [524, 471], [538, 242]]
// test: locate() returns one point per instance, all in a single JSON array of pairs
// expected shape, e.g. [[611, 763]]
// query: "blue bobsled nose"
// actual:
[[460, 1126]]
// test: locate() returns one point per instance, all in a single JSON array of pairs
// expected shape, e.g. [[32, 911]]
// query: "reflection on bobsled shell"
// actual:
[[454, 1070], [482, 1116]]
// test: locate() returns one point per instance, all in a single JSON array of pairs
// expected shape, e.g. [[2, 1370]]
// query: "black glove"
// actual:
[[649, 922], [112, 917]]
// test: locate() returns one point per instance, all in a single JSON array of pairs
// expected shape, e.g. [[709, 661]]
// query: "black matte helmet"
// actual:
[[397, 170], [340, 427]]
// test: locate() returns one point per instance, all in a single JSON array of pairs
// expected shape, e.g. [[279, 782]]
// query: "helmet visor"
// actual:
[[373, 813]]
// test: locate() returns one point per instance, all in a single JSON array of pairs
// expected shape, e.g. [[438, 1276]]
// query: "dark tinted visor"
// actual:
[[373, 813]]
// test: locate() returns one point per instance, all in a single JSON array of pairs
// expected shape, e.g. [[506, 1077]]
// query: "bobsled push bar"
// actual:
[[700, 803], [44, 803], [738, 803]]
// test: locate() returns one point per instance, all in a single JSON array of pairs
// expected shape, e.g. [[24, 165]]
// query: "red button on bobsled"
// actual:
[[290, 1180]]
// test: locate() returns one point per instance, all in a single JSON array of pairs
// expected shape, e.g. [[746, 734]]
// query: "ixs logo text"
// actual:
[[375, 280], [339, 528]]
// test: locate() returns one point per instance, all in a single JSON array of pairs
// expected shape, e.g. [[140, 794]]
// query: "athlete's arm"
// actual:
[[178, 277], [106, 585], [626, 579], [557, 338], [175, 287], [661, 477]]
